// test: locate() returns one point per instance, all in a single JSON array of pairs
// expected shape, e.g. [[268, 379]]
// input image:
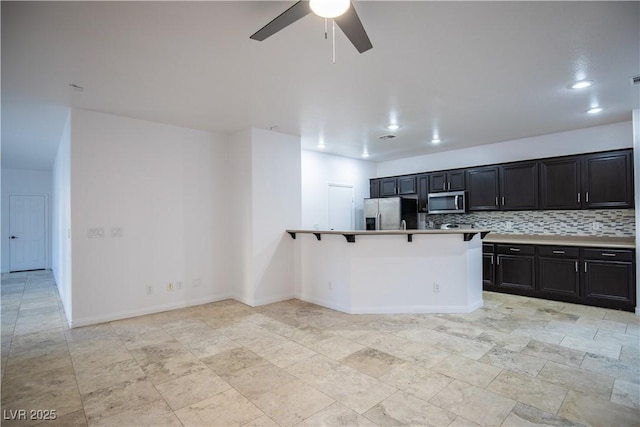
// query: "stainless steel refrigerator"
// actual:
[[391, 213]]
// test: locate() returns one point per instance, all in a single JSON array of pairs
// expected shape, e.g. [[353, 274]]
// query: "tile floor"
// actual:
[[517, 361]]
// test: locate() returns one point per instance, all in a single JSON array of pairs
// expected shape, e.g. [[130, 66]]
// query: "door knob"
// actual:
[[13, 237]]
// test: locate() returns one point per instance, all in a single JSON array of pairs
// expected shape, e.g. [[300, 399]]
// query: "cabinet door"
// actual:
[[374, 188], [559, 278], [482, 189], [423, 190], [407, 184], [560, 183], [607, 180], [456, 180], [516, 273], [387, 187], [519, 186], [437, 182], [609, 284], [488, 267]]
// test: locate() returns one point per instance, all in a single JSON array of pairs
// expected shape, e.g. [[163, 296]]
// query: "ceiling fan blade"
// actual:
[[286, 18], [351, 26]]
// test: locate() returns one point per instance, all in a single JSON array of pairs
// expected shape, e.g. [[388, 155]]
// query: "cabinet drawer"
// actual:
[[608, 254], [515, 249], [488, 248], [558, 251]]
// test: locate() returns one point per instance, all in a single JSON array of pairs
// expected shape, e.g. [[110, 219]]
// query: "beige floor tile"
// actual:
[[263, 421], [464, 347], [514, 361], [524, 416], [292, 402], [94, 354], [255, 381], [372, 362], [612, 367], [626, 393], [473, 403], [352, 388], [596, 412], [534, 392], [404, 409], [578, 379], [192, 388], [74, 419], [462, 422], [421, 382], [460, 329], [539, 334], [336, 347], [336, 415], [211, 345], [95, 378], [555, 353], [286, 354], [616, 338], [467, 370], [230, 362], [229, 408], [591, 346], [503, 340]]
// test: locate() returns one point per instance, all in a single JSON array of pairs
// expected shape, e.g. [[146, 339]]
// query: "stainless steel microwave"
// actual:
[[448, 202]]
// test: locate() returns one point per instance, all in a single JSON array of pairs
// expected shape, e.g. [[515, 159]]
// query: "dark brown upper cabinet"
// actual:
[[483, 189], [397, 186], [423, 191], [406, 184], [374, 188], [453, 180], [519, 186], [607, 180], [560, 183]]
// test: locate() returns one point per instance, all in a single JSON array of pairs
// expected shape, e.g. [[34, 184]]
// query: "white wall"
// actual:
[[25, 183], [265, 171], [167, 189], [61, 219], [318, 171], [599, 138]]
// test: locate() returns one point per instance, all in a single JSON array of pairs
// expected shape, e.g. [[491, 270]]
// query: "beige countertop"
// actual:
[[537, 239], [390, 232]]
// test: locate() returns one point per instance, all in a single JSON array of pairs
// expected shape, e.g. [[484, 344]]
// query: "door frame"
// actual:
[[47, 249], [353, 204]]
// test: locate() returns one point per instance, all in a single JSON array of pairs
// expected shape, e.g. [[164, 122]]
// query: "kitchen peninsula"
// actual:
[[391, 271]]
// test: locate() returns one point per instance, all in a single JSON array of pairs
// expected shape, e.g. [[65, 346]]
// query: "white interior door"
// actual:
[[27, 231], [340, 207]]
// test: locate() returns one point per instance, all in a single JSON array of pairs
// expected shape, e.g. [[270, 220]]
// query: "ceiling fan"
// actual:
[[341, 11]]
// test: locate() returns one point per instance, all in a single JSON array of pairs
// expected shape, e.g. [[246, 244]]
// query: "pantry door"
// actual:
[[340, 207], [27, 233]]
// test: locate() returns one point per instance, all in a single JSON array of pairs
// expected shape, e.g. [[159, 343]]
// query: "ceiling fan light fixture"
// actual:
[[329, 8]]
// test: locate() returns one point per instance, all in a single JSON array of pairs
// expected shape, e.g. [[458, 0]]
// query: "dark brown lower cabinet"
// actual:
[[516, 268], [591, 276]]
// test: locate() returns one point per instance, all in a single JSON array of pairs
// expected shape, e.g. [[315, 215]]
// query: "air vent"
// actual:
[[635, 80], [384, 137]]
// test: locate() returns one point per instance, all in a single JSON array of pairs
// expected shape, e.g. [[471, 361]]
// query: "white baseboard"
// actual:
[[76, 323], [325, 303]]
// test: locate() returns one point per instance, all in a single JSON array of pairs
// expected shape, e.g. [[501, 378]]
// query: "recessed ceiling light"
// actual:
[[321, 145], [581, 84], [436, 140], [393, 126], [365, 154], [595, 110]]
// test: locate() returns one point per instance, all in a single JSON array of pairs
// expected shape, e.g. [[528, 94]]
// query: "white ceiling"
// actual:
[[475, 72]]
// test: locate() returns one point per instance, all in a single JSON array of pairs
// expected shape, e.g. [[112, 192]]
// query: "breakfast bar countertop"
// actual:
[[583, 241]]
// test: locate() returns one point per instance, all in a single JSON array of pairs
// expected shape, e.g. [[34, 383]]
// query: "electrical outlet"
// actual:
[[596, 225], [436, 288], [149, 289], [508, 225], [170, 287], [95, 232], [116, 232]]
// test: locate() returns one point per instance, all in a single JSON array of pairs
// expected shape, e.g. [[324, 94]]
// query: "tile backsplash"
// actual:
[[601, 222]]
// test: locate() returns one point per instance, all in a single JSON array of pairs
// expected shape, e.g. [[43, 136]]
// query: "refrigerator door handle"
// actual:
[[455, 201], [403, 224], [378, 222]]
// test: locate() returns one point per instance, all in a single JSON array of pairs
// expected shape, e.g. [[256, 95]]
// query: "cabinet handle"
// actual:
[[502, 200], [491, 259], [496, 200], [514, 249], [498, 260], [585, 267], [578, 197], [444, 186], [558, 252], [576, 266], [448, 186], [586, 197], [607, 254]]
